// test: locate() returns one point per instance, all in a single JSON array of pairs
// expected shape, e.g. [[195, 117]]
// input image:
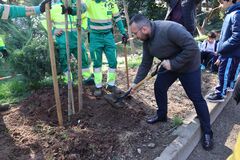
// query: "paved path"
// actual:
[[225, 128]]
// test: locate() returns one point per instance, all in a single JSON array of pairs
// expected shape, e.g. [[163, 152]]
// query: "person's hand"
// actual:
[[217, 62], [43, 4], [58, 32], [132, 88], [67, 10], [166, 64], [124, 39]]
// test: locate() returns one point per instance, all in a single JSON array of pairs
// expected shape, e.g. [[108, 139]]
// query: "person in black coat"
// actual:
[[183, 12]]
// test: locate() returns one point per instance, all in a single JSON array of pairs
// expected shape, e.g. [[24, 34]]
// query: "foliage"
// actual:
[[147, 7], [177, 121], [13, 90], [32, 61]]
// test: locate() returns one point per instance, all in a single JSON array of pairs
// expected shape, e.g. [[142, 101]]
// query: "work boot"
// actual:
[[113, 89], [98, 92], [4, 107]]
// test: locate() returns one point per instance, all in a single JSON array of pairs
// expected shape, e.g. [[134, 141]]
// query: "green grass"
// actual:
[[134, 62], [13, 90], [177, 121]]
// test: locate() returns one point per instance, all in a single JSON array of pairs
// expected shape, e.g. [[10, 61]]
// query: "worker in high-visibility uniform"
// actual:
[[12, 11], [3, 51], [100, 14], [58, 21]]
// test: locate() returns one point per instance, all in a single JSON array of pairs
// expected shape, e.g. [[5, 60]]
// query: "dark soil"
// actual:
[[29, 129]]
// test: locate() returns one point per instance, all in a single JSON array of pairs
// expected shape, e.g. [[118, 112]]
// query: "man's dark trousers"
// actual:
[[191, 83]]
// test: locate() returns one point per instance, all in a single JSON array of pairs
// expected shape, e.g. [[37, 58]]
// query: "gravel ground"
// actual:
[[225, 128]]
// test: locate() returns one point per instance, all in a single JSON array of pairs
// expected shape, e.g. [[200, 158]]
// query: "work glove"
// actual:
[[43, 4], [124, 39], [67, 10], [236, 92]]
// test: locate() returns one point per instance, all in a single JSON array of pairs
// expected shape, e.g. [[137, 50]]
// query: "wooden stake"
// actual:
[[126, 64], [129, 30], [71, 109], [79, 31], [53, 66]]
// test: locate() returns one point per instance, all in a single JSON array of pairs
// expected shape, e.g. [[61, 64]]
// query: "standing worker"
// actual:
[[180, 55], [58, 21], [100, 14], [183, 12], [12, 11]]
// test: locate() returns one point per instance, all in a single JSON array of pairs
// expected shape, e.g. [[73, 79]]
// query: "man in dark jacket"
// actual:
[[175, 46], [229, 49], [183, 12]]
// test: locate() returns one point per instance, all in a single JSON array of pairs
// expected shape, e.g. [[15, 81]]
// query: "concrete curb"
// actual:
[[189, 134]]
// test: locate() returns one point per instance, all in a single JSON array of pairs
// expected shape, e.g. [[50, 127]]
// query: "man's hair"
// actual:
[[140, 20], [212, 34]]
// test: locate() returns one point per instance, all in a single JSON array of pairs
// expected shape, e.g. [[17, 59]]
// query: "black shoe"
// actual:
[[4, 107], [215, 98], [207, 142], [156, 118]]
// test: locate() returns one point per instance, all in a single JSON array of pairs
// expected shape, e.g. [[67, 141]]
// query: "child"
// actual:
[[208, 52]]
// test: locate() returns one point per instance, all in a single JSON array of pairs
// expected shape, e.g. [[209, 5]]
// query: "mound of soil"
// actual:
[[29, 130]]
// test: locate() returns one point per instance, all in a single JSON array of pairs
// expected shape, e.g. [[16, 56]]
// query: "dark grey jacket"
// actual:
[[188, 12], [169, 40]]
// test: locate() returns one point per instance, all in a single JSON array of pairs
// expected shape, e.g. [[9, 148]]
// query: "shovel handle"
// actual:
[[142, 82], [148, 77]]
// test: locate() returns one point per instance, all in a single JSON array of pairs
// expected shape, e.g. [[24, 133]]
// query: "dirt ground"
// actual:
[[225, 128], [100, 132]]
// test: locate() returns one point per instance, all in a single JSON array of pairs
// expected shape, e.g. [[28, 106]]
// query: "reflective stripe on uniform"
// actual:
[[6, 12], [86, 73], [100, 27], [98, 77], [100, 21], [69, 29], [111, 78]]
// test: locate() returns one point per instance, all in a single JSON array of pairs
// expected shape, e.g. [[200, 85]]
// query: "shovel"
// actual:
[[116, 101]]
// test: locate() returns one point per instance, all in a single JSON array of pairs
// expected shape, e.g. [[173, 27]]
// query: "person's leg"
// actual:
[[192, 85], [214, 68], [234, 71], [96, 49], [111, 55], [164, 80], [223, 73]]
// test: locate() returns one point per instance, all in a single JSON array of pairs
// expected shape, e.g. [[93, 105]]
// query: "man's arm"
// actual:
[[117, 18], [145, 65], [234, 41], [12, 11], [184, 40]]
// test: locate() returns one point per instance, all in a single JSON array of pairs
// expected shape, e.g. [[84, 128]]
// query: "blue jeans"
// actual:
[[191, 83]]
